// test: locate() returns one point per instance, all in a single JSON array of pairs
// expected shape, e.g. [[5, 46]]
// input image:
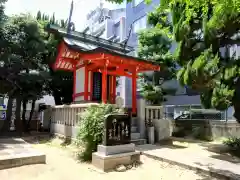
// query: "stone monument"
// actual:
[[117, 147]]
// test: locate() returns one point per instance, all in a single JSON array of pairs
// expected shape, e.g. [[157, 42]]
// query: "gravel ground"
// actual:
[[61, 166]]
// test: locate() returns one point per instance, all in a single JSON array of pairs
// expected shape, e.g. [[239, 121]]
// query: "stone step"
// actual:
[[134, 121], [139, 141], [22, 159], [135, 136], [133, 129]]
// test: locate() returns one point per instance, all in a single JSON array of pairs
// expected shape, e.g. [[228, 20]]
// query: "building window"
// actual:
[[140, 24], [137, 2]]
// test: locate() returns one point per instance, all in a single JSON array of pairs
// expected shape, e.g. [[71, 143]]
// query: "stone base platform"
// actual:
[[108, 163], [108, 157], [15, 152]]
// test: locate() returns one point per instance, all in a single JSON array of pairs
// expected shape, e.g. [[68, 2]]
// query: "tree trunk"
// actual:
[[57, 98], [24, 123], [18, 122], [7, 122], [236, 107], [236, 101], [31, 114]]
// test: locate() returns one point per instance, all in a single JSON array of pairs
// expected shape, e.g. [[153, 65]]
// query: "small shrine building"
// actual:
[[95, 63]]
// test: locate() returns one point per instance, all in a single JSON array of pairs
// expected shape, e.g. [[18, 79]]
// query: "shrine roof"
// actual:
[[90, 44], [89, 48], [81, 38]]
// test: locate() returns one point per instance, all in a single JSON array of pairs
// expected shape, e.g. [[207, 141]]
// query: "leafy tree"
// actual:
[[205, 33], [60, 80], [152, 94], [23, 49], [33, 77], [155, 44]]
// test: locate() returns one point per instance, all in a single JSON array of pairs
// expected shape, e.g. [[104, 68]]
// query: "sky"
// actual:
[[59, 7]]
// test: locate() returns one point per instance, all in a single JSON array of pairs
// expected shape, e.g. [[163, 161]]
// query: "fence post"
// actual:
[[226, 115], [141, 104]]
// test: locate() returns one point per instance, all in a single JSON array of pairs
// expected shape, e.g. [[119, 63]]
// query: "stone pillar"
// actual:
[[141, 104]]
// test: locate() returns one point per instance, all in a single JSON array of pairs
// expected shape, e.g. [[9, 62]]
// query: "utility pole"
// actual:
[[70, 18]]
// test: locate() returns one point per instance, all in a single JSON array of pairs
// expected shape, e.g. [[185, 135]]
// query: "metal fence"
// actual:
[[175, 111]]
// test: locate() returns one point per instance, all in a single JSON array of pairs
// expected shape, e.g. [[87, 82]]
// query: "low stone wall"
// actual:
[[64, 119], [163, 129], [63, 130], [211, 129], [225, 129]]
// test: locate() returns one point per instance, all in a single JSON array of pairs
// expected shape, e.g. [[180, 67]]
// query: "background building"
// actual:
[[136, 17], [110, 25]]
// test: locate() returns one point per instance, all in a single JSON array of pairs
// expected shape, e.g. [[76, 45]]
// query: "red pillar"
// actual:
[[74, 83], [134, 92], [104, 85], [114, 89], [86, 84], [111, 89]]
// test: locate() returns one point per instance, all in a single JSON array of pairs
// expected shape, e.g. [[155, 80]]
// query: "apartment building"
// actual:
[[136, 20], [121, 25]]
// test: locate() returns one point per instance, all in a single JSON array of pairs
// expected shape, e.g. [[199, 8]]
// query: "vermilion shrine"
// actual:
[[96, 63]]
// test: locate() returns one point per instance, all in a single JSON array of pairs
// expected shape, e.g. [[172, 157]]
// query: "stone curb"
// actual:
[[209, 172], [12, 162]]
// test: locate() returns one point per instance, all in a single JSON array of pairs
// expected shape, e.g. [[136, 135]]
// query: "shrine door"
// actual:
[[97, 87]]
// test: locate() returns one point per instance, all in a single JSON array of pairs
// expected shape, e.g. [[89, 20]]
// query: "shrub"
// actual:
[[201, 133], [91, 128], [233, 143], [179, 132], [151, 93]]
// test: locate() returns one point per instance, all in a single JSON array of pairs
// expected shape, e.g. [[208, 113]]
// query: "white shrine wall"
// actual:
[[79, 81]]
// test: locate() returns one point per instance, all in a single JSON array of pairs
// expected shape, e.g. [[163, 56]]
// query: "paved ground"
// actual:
[[16, 152], [61, 166], [205, 157], [14, 146]]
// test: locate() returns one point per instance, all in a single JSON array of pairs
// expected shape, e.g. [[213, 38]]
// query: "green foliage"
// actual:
[[179, 132], [199, 29], [60, 81], [152, 94], [155, 44], [21, 58], [206, 33], [22, 74], [233, 143], [200, 132], [91, 128]]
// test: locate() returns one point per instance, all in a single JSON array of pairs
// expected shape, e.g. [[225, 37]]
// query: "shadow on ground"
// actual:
[[6, 142], [222, 152], [150, 147], [217, 151], [220, 173], [205, 177]]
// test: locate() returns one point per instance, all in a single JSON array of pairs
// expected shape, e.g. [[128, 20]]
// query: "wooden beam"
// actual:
[[60, 49], [74, 83], [134, 93], [119, 73], [79, 94], [111, 88], [93, 66], [104, 84], [114, 89], [92, 56], [86, 80]]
